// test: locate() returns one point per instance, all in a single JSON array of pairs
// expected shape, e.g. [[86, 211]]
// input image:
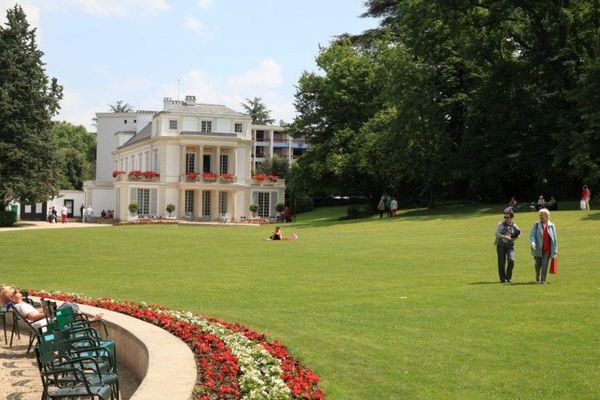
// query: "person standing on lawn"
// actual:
[[544, 244], [506, 234], [586, 194]]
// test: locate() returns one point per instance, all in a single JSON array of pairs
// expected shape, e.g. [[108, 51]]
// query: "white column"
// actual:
[[201, 160], [218, 159], [182, 161], [271, 135]]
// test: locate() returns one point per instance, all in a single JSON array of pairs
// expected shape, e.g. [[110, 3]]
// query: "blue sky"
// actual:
[[221, 51]]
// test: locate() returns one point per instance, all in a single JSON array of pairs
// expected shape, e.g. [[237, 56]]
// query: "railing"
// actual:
[[200, 179], [127, 178], [267, 182]]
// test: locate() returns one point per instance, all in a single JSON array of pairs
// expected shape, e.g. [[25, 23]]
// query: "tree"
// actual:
[[121, 107], [258, 111], [275, 165], [77, 152], [29, 165]]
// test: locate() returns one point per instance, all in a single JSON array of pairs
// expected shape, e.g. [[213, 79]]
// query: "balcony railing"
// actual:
[[200, 178], [267, 182]]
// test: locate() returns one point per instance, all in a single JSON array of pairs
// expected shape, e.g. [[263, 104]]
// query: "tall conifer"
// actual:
[[28, 100]]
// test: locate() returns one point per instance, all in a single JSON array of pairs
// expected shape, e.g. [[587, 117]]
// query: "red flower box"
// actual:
[[117, 173]]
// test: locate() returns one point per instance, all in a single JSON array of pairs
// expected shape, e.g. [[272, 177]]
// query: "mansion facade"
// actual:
[[198, 157]]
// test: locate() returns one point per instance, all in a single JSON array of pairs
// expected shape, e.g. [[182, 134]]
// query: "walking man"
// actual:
[[63, 214], [506, 234]]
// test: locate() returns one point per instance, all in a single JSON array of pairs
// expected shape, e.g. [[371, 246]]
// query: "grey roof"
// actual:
[[127, 132], [204, 109], [143, 135]]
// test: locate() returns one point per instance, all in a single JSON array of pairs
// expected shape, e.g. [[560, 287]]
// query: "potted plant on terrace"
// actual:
[[280, 208], [170, 208], [253, 209], [133, 209]]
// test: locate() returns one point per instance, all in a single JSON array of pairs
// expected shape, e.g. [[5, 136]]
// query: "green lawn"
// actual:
[[380, 309]]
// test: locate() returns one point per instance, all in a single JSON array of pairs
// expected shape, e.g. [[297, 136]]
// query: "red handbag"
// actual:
[[554, 266]]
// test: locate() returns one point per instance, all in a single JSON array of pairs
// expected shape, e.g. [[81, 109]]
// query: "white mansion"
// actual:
[[198, 157]]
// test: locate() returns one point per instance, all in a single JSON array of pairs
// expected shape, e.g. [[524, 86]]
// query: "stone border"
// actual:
[[164, 364]]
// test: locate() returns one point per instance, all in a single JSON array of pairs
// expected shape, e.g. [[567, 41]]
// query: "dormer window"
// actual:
[[206, 126], [125, 121], [237, 128], [173, 124]]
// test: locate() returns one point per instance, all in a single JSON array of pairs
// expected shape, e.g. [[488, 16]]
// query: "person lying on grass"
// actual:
[[11, 296], [277, 235]]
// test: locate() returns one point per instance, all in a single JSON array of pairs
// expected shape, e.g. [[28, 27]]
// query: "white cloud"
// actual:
[[267, 74], [122, 8], [196, 26], [205, 3]]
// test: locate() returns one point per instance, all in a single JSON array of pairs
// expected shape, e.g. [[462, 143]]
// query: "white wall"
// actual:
[[173, 152], [102, 199], [190, 124], [107, 125], [78, 197], [223, 126]]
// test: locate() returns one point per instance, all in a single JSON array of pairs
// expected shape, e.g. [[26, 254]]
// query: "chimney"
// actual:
[[167, 103], [190, 100]]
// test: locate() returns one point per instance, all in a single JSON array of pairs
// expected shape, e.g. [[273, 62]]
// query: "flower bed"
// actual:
[[233, 361]]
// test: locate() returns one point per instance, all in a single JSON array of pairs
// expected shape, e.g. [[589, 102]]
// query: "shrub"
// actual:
[[7, 218], [280, 207], [133, 207], [170, 208], [302, 203], [253, 208], [353, 211]]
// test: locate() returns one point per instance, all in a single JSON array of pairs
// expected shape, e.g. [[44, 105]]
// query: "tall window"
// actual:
[[143, 200], [206, 126], [224, 164], [206, 203], [190, 162], [264, 204], [237, 128], [173, 124], [222, 203], [189, 202], [156, 165]]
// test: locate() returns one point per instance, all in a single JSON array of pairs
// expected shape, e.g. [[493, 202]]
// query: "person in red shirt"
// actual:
[[544, 244], [586, 194]]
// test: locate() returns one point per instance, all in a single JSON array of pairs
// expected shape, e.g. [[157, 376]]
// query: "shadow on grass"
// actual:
[[500, 283], [591, 216], [336, 215]]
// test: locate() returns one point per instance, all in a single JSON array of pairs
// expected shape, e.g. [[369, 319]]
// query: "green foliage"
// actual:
[[30, 166], [170, 208], [133, 207], [479, 100], [7, 218], [76, 149], [258, 111], [275, 165], [353, 211], [279, 207], [121, 107], [253, 208]]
